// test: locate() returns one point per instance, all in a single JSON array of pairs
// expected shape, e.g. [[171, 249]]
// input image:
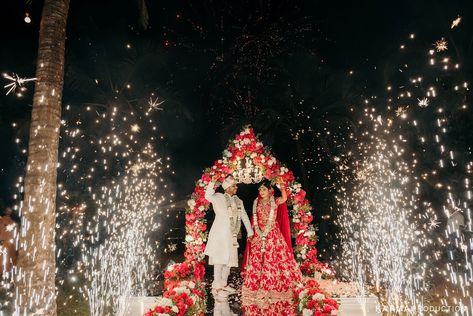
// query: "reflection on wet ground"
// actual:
[[230, 306]]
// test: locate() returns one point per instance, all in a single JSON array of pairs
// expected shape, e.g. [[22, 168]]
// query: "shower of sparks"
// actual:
[[116, 210], [118, 259], [379, 218], [441, 45], [456, 22], [16, 83], [401, 186], [111, 183]]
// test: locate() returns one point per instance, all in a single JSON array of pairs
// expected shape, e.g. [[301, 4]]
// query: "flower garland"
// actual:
[[269, 222], [245, 145]]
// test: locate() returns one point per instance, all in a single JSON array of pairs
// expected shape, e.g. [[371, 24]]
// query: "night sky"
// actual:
[[192, 47]]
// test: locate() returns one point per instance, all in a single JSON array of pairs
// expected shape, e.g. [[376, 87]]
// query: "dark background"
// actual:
[[214, 63]]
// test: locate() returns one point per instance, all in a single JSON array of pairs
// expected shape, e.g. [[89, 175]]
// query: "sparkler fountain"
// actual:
[[399, 186]]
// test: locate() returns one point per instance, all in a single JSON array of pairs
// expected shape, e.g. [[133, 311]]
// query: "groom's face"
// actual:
[[232, 190]]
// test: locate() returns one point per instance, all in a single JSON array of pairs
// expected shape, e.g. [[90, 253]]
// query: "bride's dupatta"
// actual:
[[284, 226]]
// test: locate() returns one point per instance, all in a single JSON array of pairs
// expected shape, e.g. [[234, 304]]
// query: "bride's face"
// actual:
[[263, 192]]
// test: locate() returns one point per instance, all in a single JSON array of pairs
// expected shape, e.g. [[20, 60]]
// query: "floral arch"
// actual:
[[248, 161]]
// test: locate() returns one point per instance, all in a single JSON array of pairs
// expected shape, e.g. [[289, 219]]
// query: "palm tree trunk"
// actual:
[[36, 293]]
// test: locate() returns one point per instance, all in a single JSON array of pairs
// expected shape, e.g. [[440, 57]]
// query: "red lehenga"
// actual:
[[270, 275]]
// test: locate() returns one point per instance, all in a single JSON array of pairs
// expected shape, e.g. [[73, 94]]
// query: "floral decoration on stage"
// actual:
[[183, 298], [313, 301], [244, 147]]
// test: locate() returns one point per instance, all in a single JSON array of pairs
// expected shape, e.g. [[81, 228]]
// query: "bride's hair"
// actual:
[[267, 184]]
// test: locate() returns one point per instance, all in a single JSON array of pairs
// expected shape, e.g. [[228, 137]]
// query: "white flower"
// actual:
[[191, 285], [182, 289], [227, 153], [175, 309], [164, 301], [307, 312], [189, 238], [327, 271], [253, 155], [302, 294], [318, 296], [167, 301], [191, 203], [171, 267], [201, 208]]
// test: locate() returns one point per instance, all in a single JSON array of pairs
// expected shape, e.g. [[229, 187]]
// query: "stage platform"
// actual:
[[349, 306]]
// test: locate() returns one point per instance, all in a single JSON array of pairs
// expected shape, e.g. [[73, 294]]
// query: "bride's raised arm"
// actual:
[[283, 197]]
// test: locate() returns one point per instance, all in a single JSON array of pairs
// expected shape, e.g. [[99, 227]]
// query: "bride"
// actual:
[[270, 271]]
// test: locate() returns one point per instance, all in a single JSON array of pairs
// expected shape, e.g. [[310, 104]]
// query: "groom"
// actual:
[[222, 242]]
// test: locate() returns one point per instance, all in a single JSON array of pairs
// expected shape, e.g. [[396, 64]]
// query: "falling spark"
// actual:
[[456, 22], [423, 103], [135, 128], [401, 111], [155, 104]]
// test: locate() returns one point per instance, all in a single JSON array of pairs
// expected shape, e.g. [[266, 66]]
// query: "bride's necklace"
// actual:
[[269, 223]]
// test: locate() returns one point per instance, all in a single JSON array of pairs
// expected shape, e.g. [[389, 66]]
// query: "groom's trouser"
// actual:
[[221, 273]]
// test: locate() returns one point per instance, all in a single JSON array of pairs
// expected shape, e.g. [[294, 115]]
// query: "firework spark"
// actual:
[[423, 103], [441, 45], [155, 104], [456, 22], [16, 82]]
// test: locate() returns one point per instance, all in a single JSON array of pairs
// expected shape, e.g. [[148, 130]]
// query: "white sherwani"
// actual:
[[220, 247]]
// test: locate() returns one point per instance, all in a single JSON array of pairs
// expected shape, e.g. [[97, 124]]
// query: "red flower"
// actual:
[[206, 178], [299, 196], [190, 217], [312, 283], [302, 240], [328, 309], [199, 271]]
